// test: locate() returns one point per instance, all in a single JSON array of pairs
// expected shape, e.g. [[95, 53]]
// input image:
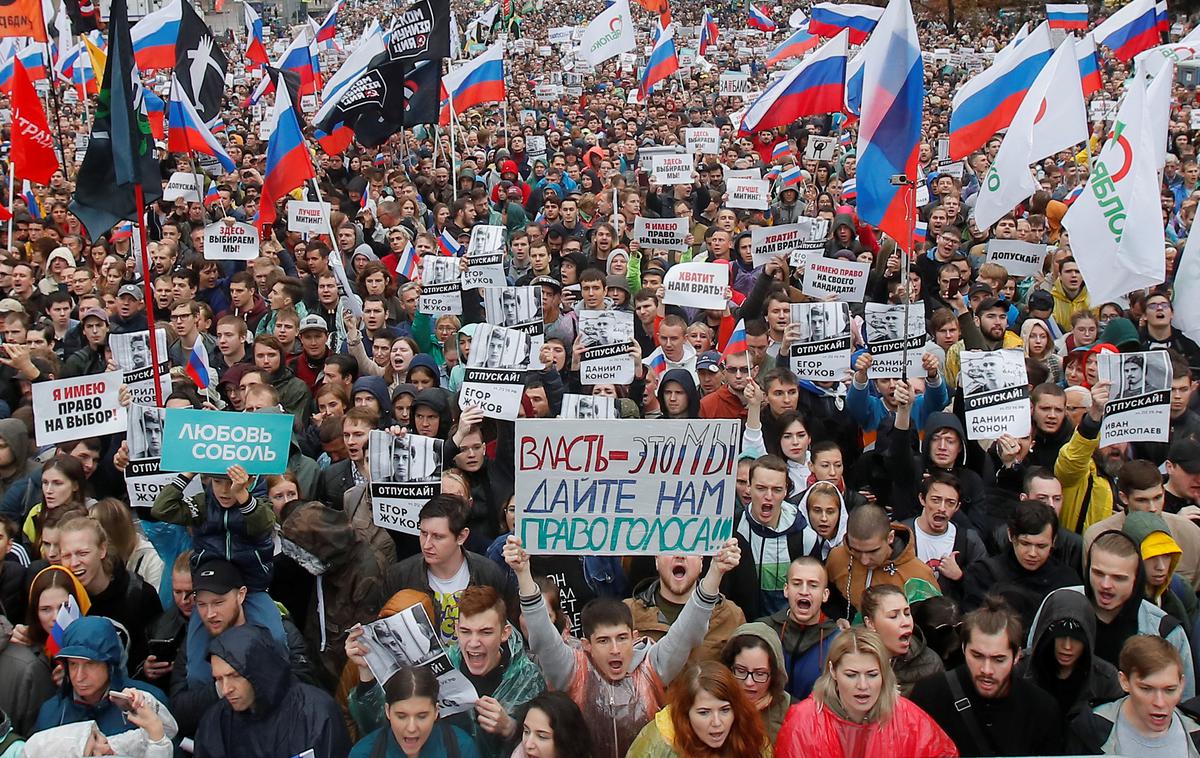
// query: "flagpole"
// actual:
[[62, 155], [187, 143], [140, 202], [12, 182], [453, 150]]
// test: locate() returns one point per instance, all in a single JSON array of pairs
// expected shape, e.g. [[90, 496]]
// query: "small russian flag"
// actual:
[[1074, 194], [197, 365], [448, 244], [211, 196], [68, 613], [774, 173], [658, 362], [789, 177], [849, 189], [920, 232], [30, 199], [123, 231], [846, 139], [781, 150], [737, 340], [409, 263]]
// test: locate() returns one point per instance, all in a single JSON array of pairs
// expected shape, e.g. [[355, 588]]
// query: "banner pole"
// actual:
[[187, 143], [140, 204], [12, 181]]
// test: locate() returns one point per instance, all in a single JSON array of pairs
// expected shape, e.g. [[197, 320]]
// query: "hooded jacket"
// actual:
[[774, 713], [1065, 305], [1094, 733], [16, 436], [849, 578], [1154, 538], [756, 584], [287, 718], [907, 471], [803, 648], [649, 621], [657, 740], [293, 395], [1094, 680], [920, 662], [685, 379], [814, 544], [437, 400], [815, 730], [1004, 575], [95, 639], [379, 390]]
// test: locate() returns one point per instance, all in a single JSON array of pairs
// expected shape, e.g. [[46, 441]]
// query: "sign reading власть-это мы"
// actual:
[[622, 488], [209, 442]]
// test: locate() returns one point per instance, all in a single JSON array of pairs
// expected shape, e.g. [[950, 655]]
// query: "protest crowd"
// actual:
[[541, 379]]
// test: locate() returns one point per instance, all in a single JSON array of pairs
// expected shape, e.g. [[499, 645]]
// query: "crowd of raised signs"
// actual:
[[566, 436]]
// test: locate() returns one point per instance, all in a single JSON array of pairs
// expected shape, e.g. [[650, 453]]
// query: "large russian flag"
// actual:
[[187, 133], [827, 19], [987, 103], [256, 50], [288, 163], [816, 86], [328, 28], [34, 61], [1130, 30], [759, 20], [1067, 17], [1089, 65], [662, 62], [298, 59], [155, 35], [890, 133], [480, 80], [795, 46]]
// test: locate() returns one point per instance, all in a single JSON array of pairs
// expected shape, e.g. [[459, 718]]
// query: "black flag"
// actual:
[[388, 97], [423, 93], [83, 14], [200, 65], [421, 33], [120, 154]]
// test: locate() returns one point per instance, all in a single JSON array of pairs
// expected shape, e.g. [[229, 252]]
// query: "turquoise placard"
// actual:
[[209, 442]]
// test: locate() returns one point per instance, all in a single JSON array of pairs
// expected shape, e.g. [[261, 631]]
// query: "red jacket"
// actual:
[[722, 403], [812, 730]]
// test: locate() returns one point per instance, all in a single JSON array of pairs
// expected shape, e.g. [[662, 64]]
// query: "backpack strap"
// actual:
[[1084, 505], [962, 704]]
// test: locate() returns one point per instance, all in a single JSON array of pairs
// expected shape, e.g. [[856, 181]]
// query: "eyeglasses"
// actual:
[[738, 369], [1160, 306], [743, 673]]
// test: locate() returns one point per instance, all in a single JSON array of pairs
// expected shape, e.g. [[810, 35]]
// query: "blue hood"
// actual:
[[94, 638], [379, 390]]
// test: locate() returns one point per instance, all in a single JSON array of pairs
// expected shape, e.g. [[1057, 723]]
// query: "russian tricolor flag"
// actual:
[[288, 163], [448, 244], [816, 86], [34, 61], [987, 103], [156, 113], [737, 341], [409, 263], [789, 177], [760, 20], [708, 33], [1067, 17], [480, 80], [1130, 30], [657, 362], [155, 35], [187, 133], [68, 613], [773, 173], [30, 199], [662, 63], [328, 28], [827, 19], [1074, 194], [197, 366], [889, 136], [211, 195], [782, 149], [1089, 65], [849, 190], [298, 59], [795, 46], [256, 49], [920, 232]]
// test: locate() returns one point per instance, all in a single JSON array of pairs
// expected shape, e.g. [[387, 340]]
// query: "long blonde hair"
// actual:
[[860, 640]]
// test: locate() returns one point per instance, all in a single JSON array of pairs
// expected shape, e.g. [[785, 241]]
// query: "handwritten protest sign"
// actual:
[[209, 442], [672, 169], [887, 340], [750, 194], [71, 409], [995, 393], [703, 139], [829, 276], [696, 285], [308, 217], [821, 349], [182, 185], [1139, 405], [613, 488], [1019, 258], [406, 471], [661, 233], [230, 242]]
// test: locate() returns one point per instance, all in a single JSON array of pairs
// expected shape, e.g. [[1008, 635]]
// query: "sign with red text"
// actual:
[[750, 194], [661, 233], [829, 276], [308, 217], [230, 242], [72, 409], [672, 169], [600, 487], [697, 285]]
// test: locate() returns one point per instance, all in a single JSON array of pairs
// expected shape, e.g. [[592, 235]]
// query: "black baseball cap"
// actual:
[[546, 281], [218, 576], [1185, 453]]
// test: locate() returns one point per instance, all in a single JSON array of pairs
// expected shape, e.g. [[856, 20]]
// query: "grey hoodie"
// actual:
[[16, 436]]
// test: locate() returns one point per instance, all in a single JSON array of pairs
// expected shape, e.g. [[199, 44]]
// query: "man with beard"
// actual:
[[986, 330], [980, 704], [806, 632]]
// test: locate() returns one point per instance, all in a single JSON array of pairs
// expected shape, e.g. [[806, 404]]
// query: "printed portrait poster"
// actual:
[[72, 409], [887, 340], [409, 638], [1139, 401], [131, 353], [995, 393], [406, 471], [518, 308], [606, 336], [441, 286], [588, 407], [485, 258], [144, 476], [822, 350], [495, 372]]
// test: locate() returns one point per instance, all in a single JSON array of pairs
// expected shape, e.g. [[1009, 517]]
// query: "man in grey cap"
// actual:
[[130, 315], [309, 365]]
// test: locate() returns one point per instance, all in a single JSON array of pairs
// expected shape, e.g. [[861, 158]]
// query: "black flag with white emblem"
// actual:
[[200, 65]]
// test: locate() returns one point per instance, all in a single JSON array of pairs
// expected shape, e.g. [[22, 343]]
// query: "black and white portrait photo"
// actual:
[[404, 458], [588, 407], [131, 351], [145, 432], [498, 347], [512, 306], [440, 269], [1135, 374], [406, 638], [486, 239], [990, 370], [818, 322], [605, 327], [885, 323]]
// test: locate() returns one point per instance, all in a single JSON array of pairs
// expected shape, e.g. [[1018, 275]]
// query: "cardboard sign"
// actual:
[[822, 345], [183, 184], [846, 279], [230, 242], [612, 488], [661, 233], [209, 442], [1019, 258], [887, 340], [406, 471], [72, 409], [702, 139], [308, 217], [819, 148], [749, 194], [1139, 405], [995, 393], [696, 285], [485, 258], [606, 336], [672, 169]]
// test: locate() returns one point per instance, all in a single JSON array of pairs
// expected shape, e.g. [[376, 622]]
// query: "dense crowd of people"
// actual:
[[891, 587]]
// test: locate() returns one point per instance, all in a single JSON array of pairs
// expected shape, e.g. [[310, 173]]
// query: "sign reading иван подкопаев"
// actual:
[[618, 488], [209, 442]]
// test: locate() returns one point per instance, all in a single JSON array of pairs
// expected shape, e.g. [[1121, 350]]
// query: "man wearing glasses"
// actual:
[[1159, 334], [185, 324], [729, 400]]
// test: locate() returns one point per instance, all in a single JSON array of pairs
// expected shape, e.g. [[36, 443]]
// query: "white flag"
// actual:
[[1052, 117], [1116, 225], [608, 35], [1187, 281]]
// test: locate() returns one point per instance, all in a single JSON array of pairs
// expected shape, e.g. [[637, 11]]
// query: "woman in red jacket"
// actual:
[[855, 710]]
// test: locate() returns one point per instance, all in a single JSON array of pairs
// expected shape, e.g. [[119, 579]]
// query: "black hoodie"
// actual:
[[907, 471], [684, 379]]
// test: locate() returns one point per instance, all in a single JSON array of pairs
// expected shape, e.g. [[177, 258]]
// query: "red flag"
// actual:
[[33, 153]]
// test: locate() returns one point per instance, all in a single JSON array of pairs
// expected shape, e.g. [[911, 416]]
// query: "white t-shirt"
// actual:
[[445, 595], [931, 547]]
